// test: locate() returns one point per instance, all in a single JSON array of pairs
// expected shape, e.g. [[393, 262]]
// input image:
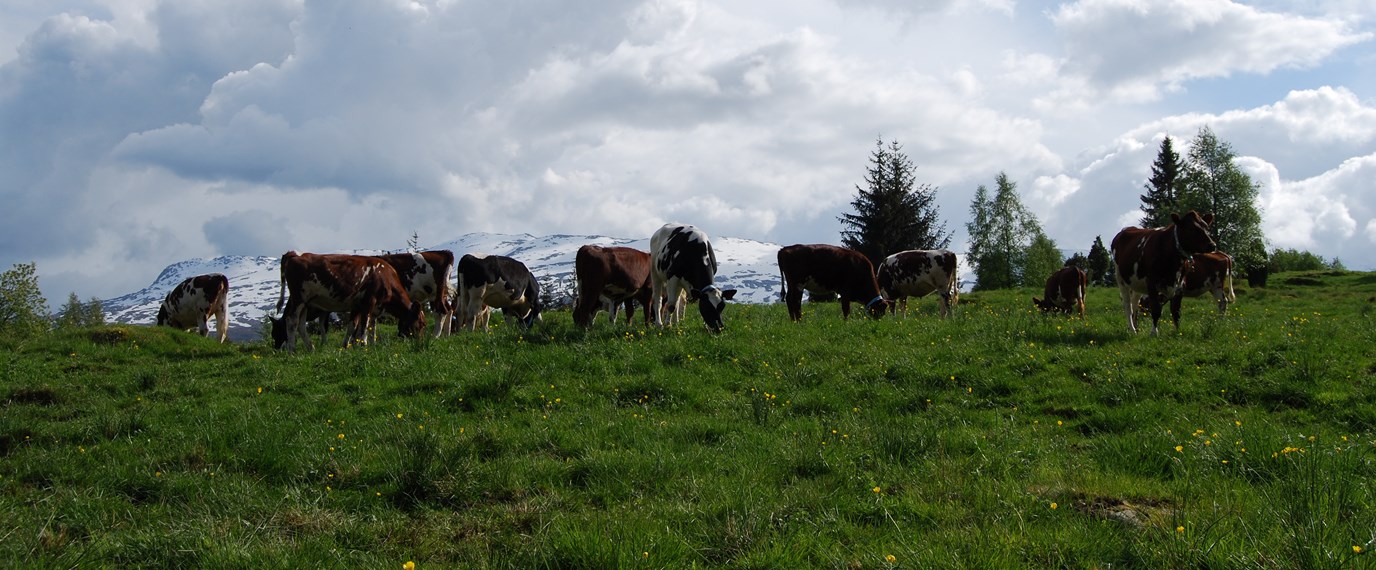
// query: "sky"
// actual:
[[138, 133]]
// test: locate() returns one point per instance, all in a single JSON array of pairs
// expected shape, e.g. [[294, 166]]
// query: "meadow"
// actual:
[[998, 438]]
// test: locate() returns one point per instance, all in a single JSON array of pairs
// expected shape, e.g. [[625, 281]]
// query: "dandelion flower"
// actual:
[[1054, 505], [1356, 549], [409, 565], [891, 558], [1180, 529], [340, 436], [877, 489], [1179, 449]]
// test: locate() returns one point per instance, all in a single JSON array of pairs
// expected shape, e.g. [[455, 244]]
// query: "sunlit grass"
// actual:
[[996, 438]]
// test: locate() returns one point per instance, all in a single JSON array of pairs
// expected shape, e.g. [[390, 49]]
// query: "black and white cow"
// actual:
[[193, 301], [496, 281], [918, 272], [683, 269]]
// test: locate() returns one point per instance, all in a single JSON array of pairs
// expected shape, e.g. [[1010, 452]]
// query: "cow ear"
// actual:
[[1209, 218], [728, 294], [1175, 218], [1036, 301]]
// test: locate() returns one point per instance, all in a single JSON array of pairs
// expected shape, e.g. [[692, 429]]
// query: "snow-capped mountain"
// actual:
[[254, 282]]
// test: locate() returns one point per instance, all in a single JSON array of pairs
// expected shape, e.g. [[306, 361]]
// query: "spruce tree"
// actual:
[[1163, 188], [1100, 267], [892, 213]]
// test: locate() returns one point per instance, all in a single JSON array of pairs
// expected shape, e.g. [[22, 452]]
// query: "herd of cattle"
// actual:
[[1152, 265]]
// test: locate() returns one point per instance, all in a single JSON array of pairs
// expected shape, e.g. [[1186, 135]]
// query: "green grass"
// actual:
[[1243, 441]]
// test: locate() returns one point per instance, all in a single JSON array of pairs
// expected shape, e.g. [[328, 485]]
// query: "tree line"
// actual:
[[1009, 248]]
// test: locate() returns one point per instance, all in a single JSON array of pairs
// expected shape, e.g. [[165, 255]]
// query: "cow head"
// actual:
[[1191, 233], [163, 315], [279, 331], [412, 321], [1045, 305], [711, 303], [877, 307]]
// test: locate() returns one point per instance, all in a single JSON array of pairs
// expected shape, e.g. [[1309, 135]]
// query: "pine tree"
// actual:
[[1213, 183], [1100, 267], [94, 313], [892, 213], [1163, 188], [71, 315], [1001, 231]]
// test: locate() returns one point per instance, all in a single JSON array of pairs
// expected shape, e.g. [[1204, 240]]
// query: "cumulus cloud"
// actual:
[[1138, 50], [137, 133]]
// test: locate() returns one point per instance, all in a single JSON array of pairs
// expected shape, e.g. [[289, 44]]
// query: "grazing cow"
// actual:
[[278, 326], [611, 275], [822, 268], [1065, 292], [683, 269], [357, 284], [918, 272], [500, 282], [426, 275], [193, 301], [1150, 263]]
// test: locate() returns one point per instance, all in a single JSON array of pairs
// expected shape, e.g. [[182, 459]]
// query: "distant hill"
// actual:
[[254, 282]]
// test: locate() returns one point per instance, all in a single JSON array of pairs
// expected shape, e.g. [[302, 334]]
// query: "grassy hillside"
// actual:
[[997, 438]]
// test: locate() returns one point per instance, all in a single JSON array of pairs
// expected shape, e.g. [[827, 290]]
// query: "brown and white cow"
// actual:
[[496, 281], [1206, 273], [917, 273], [1065, 292], [683, 267], [193, 301], [359, 285], [823, 269], [1150, 262], [426, 277], [610, 275]]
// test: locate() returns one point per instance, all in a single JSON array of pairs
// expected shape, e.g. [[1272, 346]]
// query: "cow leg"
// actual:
[[1154, 303], [222, 321], [794, 299], [1175, 310], [657, 303], [1129, 299], [203, 326], [945, 305], [903, 302], [845, 308]]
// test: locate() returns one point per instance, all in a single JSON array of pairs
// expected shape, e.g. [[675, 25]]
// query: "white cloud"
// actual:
[[1136, 51], [286, 124]]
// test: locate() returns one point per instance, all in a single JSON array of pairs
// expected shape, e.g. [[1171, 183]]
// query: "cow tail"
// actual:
[[282, 292], [783, 285], [1228, 286]]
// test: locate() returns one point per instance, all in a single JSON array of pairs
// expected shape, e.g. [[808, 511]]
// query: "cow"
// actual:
[[496, 281], [278, 326], [821, 268], [1207, 273], [426, 277], [611, 275], [1150, 262], [917, 273], [683, 269], [1065, 292], [357, 284], [193, 301]]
